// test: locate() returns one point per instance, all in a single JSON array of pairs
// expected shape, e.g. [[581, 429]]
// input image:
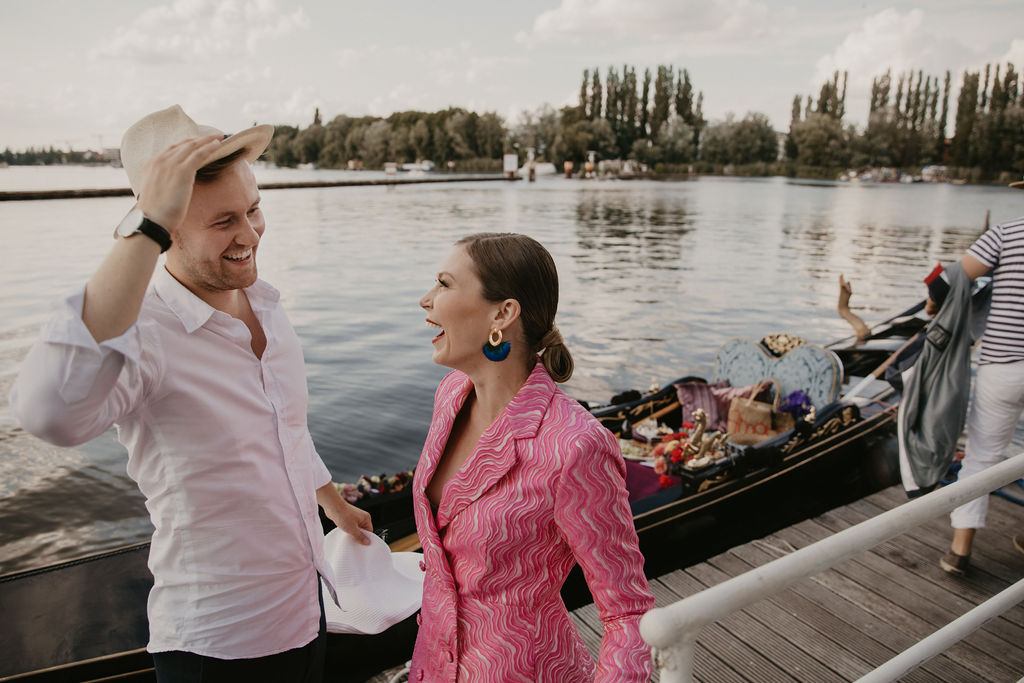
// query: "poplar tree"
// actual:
[[984, 92], [698, 118], [584, 97], [684, 98], [612, 99], [630, 113], [794, 120], [966, 112], [644, 132], [880, 91], [662, 99], [898, 117], [595, 97], [940, 142]]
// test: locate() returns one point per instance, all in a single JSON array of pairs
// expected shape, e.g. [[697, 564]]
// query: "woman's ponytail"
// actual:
[[555, 356]]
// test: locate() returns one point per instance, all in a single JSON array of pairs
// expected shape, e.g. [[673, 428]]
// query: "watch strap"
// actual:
[[156, 233]]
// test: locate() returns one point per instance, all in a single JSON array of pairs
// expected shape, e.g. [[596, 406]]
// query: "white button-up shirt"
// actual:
[[218, 444]]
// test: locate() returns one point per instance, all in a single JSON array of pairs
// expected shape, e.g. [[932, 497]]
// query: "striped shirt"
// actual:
[[1002, 249]]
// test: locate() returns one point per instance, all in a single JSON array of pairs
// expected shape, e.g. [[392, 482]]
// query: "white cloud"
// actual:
[[649, 20], [1014, 55], [893, 40], [195, 30]]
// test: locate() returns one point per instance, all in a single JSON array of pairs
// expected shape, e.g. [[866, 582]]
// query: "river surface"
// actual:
[[654, 276]]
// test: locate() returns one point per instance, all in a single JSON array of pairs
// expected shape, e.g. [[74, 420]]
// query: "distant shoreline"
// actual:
[[35, 195]]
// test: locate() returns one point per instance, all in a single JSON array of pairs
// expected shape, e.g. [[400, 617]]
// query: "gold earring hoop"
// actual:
[[491, 340]]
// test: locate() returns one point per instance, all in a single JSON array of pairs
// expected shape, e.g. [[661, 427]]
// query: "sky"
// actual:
[[77, 74]]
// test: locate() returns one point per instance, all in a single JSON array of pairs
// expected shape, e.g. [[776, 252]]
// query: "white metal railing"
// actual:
[[672, 630]]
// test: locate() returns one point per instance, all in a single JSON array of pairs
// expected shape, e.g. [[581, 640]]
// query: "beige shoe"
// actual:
[[955, 564]]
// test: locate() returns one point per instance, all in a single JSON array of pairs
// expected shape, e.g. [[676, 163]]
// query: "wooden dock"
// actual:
[[843, 623]]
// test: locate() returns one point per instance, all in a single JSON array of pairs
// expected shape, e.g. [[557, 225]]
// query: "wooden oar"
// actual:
[[877, 372]]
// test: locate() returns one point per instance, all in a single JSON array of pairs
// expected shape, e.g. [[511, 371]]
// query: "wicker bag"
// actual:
[[752, 421]]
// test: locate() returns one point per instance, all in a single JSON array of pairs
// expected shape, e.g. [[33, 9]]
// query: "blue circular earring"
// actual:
[[495, 349]]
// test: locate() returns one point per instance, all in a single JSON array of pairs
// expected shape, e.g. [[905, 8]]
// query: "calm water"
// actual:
[[654, 276]]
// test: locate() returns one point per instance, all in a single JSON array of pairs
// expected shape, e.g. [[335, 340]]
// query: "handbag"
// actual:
[[752, 421]]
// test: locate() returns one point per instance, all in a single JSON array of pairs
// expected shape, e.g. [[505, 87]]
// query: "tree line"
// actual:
[[907, 125], [656, 118]]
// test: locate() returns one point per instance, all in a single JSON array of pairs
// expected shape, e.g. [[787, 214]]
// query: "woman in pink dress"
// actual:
[[517, 482]]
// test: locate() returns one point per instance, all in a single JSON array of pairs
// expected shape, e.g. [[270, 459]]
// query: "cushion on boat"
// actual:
[[714, 399], [811, 368], [741, 362]]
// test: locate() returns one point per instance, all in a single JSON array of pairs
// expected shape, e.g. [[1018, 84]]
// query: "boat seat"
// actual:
[[810, 368]]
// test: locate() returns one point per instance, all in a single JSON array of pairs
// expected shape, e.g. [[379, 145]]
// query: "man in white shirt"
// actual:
[[203, 375]]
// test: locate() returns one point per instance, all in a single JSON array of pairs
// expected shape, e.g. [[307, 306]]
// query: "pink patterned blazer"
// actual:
[[544, 489]]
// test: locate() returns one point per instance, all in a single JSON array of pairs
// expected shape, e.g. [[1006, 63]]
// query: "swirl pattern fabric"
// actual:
[[543, 490]]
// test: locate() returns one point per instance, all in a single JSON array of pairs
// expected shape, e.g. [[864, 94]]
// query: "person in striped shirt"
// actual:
[[999, 386]]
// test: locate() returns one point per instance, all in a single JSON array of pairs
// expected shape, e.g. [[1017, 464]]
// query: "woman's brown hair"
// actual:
[[513, 266]]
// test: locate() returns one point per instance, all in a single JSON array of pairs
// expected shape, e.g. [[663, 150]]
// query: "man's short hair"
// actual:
[[213, 170]]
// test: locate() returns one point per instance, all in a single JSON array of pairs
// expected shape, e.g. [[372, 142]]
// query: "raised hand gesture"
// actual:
[[168, 179]]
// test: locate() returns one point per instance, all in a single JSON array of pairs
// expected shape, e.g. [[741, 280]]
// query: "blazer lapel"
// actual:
[[496, 453], [446, 408]]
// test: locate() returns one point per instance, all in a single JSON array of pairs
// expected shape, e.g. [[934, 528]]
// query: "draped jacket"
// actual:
[[544, 489]]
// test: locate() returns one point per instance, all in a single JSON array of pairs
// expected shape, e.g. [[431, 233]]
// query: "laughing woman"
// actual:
[[517, 482]]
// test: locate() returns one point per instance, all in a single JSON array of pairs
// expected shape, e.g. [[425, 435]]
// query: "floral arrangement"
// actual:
[[796, 403], [671, 454], [376, 485]]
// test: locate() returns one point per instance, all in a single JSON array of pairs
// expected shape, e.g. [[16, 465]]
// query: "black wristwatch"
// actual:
[[135, 222]]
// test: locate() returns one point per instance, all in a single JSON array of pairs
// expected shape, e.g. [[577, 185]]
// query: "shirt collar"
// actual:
[[192, 311]]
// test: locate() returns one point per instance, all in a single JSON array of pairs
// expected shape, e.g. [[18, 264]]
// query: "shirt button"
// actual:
[[419, 619], [451, 657], [423, 566], [419, 675]]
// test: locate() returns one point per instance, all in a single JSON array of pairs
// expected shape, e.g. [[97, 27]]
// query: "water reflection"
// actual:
[[654, 276]]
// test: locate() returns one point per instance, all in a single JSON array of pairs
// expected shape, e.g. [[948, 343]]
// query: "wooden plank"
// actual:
[[406, 544], [707, 667], [801, 621], [863, 633], [773, 632], [911, 553], [745, 662], [919, 617], [848, 620], [992, 544], [928, 581]]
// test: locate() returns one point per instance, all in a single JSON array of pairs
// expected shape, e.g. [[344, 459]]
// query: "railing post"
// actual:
[[676, 661]]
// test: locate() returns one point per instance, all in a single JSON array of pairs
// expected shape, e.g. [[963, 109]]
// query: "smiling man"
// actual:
[[203, 375]]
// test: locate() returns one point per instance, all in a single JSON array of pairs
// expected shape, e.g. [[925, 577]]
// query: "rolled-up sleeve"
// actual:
[[68, 389], [593, 514], [321, 475]]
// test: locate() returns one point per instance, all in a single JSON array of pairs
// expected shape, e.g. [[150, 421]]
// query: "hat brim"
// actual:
[[253, 140], [375, 606], [375, 587]]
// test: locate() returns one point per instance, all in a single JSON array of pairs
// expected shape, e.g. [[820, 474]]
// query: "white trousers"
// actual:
[[995, 410]]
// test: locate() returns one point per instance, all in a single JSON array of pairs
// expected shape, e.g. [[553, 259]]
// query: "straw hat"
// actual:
[[376, 588], [155, 132]]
